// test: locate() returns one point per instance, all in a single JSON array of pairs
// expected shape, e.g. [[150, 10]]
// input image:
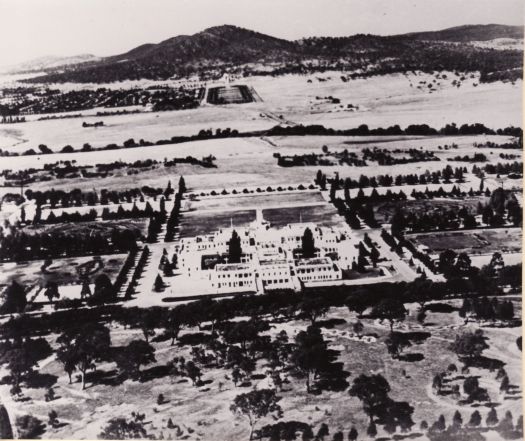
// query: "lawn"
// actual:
[[255, 200], [195, 224], [322, 215]]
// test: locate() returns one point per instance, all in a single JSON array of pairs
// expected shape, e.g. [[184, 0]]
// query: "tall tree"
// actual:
[[307, 244], [134, 355], [255, 405], [84, 346], [312, 308], [51, 291], [234, 248], [13, 299], [390, 309], [310, 355], [372, 390]]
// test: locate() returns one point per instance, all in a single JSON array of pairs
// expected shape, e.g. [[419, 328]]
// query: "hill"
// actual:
[[232, 49], [470, 33], [51, 62]]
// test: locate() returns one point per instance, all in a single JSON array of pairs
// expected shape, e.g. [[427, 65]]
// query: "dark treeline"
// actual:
[[173, 219], [502, 168], [348, 158], [384, 156], [66, 217], [78, 198], [133, 213], [445, 176], [411, 130], [477, 157], [137, 272], [20, 246], [300, 130], [12, 120], [516, 144]]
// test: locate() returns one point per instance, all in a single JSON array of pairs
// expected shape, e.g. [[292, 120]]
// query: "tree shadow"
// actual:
[[197, 338], [486, 363], [258, 376], [154, 372], [407, 436], [417, 336], [330, 323], [106, 378], [162, 337], [333, 378], [440, 307], [38, 380], [412, 357]]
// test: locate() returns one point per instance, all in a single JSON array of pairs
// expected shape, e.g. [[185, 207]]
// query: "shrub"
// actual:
[[29, 427]]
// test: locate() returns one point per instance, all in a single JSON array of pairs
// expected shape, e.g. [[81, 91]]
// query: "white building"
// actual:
[[271, 257]]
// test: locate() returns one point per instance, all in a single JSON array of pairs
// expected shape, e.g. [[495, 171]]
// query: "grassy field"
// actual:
[[61, 271], [249, 162], [118, 128], [323, 215], [390, 99], [203, 412], [505, 240], [255, 200], [381, 101]]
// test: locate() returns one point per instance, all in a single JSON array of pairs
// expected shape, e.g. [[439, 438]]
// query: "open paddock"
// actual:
[[390, 99], [150, 126], [323, 215], [247, 162], [235, 202]]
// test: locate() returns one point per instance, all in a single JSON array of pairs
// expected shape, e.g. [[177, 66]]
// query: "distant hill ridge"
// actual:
[[468, 33], [233, 46]]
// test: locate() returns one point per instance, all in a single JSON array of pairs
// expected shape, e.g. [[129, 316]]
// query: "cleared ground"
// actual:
[[323, 215], [378, 101]]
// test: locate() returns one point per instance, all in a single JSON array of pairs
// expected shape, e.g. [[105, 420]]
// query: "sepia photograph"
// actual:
[[261, 220]]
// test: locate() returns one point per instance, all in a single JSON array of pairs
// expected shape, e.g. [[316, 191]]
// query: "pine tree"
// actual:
[[234, 248], [307, 244], [457, 420], [475, 419], [492, 417], [159, 283], [371, 431], [182, 185]]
